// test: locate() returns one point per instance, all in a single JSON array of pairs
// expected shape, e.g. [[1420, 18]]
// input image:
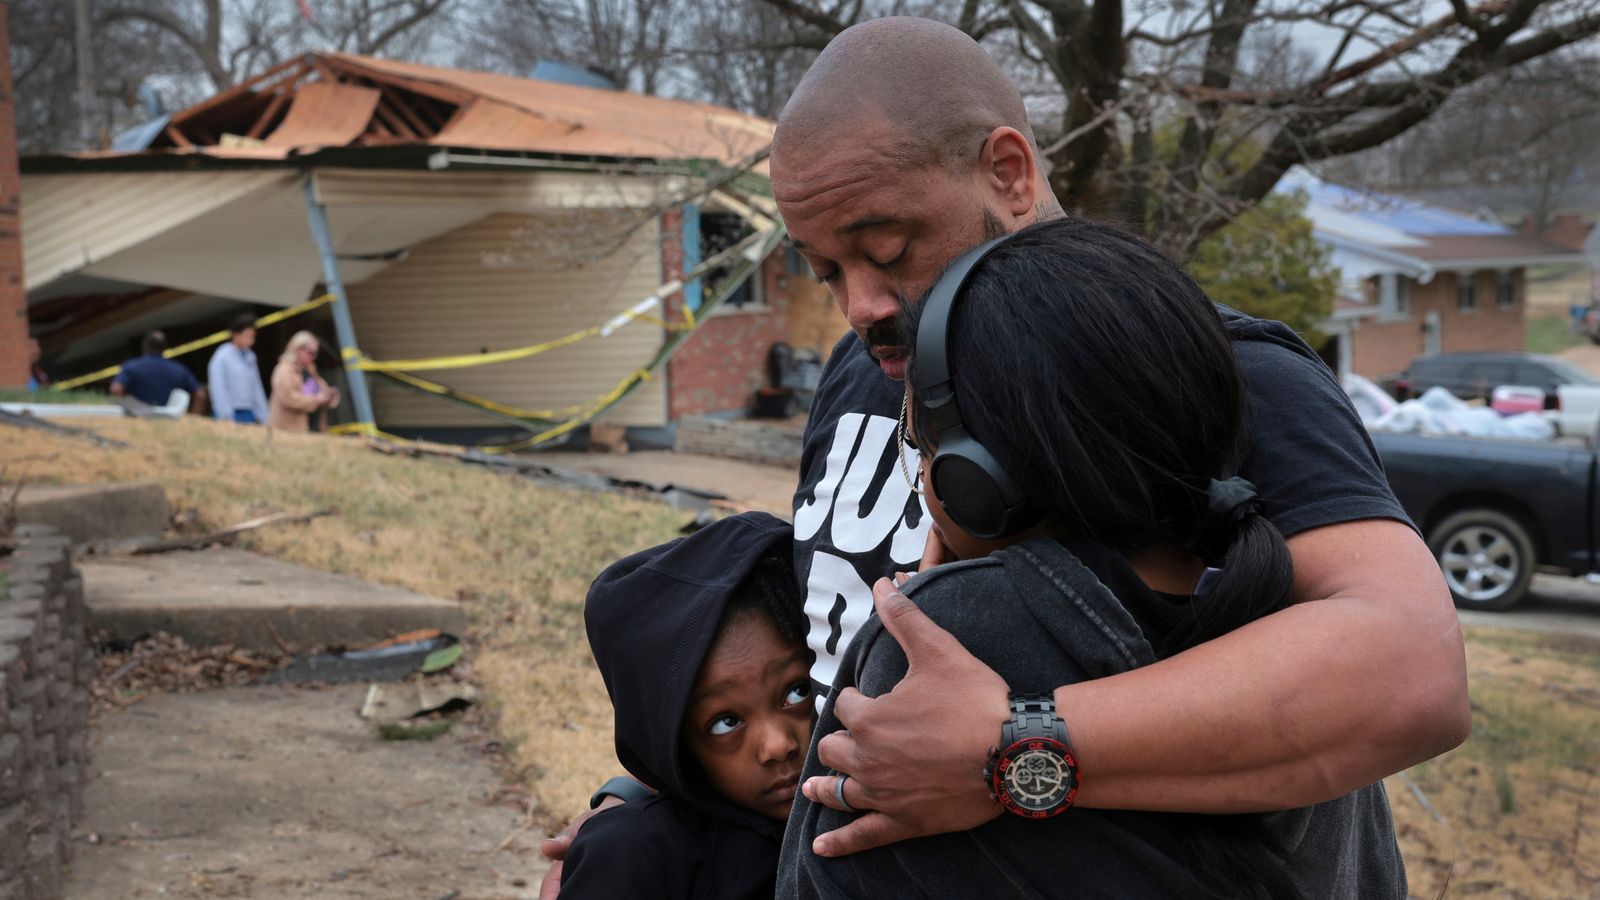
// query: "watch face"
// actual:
[[1038, 776]]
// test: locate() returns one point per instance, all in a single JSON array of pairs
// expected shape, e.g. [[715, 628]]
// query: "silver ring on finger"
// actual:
[[838, 794]]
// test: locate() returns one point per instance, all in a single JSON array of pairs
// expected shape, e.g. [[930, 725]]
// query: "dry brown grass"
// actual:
[[1519, 803], [518, 554]]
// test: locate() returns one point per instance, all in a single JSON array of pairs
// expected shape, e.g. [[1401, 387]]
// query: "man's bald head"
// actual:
[[936, 90]]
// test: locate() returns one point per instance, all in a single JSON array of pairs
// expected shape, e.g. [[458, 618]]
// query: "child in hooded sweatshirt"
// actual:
[[701, 642]]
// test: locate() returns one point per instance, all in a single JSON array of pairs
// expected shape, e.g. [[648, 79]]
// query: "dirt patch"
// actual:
[[271, 792]]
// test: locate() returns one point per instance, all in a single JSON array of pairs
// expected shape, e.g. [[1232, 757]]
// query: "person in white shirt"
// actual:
[[234, 377]]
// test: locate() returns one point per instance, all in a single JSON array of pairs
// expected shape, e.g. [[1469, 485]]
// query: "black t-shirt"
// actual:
[[856, 519]]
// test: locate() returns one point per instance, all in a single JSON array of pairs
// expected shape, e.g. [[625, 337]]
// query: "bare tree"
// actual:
[[742, 56], [1522, 142], [190, 48], [1178, 117], [628, 41]]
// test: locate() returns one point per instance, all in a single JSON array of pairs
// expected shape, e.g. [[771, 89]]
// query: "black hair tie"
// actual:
[[1231, 500]]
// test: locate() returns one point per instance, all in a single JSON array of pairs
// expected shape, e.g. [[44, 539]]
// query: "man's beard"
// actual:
[[992, 226]]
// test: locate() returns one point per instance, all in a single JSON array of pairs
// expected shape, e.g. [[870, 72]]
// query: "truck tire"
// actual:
[[1486, 556]]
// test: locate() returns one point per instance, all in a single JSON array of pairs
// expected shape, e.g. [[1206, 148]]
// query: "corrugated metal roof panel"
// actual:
[[444, 299]]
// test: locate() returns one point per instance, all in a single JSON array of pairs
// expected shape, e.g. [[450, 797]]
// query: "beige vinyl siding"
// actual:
[[445, 299], [506, 190], [72, 221]]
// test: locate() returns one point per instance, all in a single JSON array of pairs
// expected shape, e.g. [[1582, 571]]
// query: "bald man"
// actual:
[[903, 146]]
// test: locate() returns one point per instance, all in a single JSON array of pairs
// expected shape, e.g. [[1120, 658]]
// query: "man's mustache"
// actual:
[[884, 334], [889, 332]]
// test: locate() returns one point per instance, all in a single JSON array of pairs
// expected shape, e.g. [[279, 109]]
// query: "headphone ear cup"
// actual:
[[975, 491]]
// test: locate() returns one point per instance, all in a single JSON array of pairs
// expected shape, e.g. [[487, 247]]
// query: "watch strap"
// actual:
[[1033, 716], [621, 787]]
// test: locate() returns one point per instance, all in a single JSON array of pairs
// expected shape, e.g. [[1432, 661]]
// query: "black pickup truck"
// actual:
[[1493, 511]]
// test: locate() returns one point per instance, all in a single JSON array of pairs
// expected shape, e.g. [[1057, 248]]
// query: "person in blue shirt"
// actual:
[[152, 378], [234, 376]]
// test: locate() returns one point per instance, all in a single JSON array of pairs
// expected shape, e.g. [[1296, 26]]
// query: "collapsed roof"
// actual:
[[328, 99]]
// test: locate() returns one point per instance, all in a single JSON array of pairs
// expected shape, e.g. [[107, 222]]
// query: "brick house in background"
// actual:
[[1570, 218], [1418, 279]]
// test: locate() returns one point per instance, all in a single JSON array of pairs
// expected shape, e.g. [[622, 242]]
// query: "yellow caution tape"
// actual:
[[207, 341], [581, 419], [467, 360], [515, 412]]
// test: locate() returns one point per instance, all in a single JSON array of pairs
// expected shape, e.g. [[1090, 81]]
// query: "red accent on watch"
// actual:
[[1001, 761]]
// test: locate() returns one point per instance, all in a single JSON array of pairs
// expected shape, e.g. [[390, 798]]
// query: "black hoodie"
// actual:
[[651, 619]]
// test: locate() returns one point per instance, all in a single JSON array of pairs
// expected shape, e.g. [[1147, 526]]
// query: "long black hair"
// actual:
[[1104, 382]]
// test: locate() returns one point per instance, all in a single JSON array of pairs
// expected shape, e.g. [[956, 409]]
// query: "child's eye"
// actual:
[[800, 693], [724, 724]]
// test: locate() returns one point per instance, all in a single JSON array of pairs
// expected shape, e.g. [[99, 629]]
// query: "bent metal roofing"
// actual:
[[340, 100]]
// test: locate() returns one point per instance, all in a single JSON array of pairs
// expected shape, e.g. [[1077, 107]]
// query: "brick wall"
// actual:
[[45, 668], [721, 367], [13, 299], [1382, 349]]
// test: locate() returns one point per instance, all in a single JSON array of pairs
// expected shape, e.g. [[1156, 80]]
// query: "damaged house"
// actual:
[[467, 217]]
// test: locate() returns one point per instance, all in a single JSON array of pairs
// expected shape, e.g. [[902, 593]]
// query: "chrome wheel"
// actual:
[[1480, 563]]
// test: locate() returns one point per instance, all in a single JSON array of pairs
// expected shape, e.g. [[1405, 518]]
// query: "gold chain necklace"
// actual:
[[905, 470]]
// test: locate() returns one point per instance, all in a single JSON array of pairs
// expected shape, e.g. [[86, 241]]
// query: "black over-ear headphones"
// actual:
[[971, 486]]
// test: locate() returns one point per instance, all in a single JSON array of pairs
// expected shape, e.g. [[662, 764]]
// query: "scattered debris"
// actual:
[[441, 659], [395, 702], [387, 661], [225, 535], [163, 663], [28, 421], [420, 731], [604, 438], [676, 495]]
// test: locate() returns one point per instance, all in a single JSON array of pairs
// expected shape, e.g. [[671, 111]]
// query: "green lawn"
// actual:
[[1549, 334]]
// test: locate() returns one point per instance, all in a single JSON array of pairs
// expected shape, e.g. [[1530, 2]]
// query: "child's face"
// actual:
[[749, 717]]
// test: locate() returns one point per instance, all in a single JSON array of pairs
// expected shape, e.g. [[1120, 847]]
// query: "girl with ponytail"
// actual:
[[1103, 384]]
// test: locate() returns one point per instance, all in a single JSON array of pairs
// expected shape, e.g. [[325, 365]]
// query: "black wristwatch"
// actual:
[[1033, 772], [621, 787]]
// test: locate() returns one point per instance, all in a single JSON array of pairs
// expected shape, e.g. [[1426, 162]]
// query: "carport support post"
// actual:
[[317, 217], [692, 292]]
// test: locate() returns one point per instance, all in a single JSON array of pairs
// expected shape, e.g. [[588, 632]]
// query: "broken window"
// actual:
[[718, 232]]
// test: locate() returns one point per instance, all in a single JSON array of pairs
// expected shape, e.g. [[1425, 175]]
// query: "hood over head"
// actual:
[[651, 619]]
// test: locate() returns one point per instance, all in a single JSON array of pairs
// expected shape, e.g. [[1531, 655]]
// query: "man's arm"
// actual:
[[1363, 676], [118, 388]]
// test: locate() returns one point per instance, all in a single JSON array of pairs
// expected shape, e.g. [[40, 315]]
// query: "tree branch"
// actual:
[[819, 20]]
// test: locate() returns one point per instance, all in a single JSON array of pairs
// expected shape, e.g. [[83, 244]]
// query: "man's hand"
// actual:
[[556, 846], [914, 756]]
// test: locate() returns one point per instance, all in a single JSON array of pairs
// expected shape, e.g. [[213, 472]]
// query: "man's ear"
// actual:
[[1007, 167]]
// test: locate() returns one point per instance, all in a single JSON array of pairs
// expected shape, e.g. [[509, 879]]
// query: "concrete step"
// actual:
[[225, 595], [96, 512]]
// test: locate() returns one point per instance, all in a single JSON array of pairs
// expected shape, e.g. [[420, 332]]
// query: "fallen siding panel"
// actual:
[[446, 299]]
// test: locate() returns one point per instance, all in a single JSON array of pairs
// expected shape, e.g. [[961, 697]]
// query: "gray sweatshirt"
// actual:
[[1041, 618]]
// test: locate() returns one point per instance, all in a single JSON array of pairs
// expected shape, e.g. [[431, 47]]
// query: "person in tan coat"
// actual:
[[297, 389]]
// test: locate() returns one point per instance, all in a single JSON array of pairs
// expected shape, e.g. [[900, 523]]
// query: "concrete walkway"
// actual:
[[279, 792], [224, 595]]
